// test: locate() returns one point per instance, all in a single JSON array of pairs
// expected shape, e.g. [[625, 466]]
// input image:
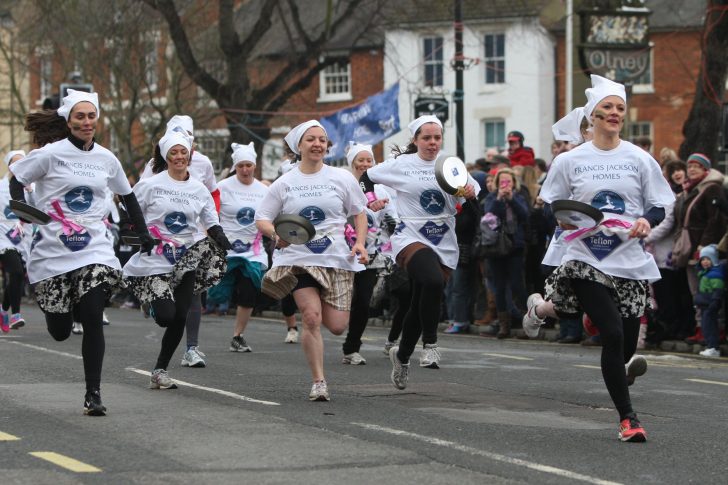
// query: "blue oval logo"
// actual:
[[608, 201], [79, 199], [246, 216], [9, 214], [176, 222], [432, 201], [313, 214]]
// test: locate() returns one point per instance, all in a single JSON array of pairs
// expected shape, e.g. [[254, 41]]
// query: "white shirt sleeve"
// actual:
[[556, 185], [31, 167], [118, 183], [209, 216], [272, 203], [656, 190], [355, 201], [147, 171]]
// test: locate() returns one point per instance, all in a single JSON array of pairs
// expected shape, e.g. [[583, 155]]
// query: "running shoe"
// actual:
[[16, 321], [400, 371], [319, 392], [4, 319], [146, 309], [430, 356], [456, 327], [388, 346], [238, 344], [192, 358], [354, 358], [291, 336], [92, 405], [105, 319], [637, 366], [631, 430], [161, 380], [77, 328], [712, 353], [531, 322]]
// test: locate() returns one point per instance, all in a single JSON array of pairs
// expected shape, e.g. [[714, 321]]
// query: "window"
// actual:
[[495, 58], [638, 129], [213, 143], [495, 133], [335, 82], [46, 76], [433, 61]]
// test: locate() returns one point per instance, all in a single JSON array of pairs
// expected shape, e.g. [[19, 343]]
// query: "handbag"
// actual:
[[495, 243], [682, 249]]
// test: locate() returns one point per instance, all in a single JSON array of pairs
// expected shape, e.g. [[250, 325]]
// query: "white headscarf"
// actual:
[[9, 156], [416, 124], [601, 88], [293, 138], [244, 153], [182, 121], [73, 98], [568, 128], [172, 138], [355, 149]]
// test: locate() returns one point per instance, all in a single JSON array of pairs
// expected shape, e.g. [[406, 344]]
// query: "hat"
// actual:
[[293, 138], [417, 124], [182, 121], [354, 149], [73, 98], [568, 128], [172, 138], [244, 153], [9, 156], [601, 88], [515, 135], [711, 252], [482, 163], [701, 159]]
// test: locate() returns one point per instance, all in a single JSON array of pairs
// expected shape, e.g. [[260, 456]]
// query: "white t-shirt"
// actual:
[[200, 169], [79, 180], [180, 211], [238, 205], [427, 213], [624, 183], [13, 233], [325, 198]]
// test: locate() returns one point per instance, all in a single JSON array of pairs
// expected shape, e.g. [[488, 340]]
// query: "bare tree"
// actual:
[[701, 129], [268, 50]]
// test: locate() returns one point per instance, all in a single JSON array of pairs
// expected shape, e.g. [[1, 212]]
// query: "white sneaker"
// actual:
[[161, 380], [291, 336], [637, 366], [430, 356], [319, 392], [711, 353], [531, 322], [387, 346], [400, 371], [354, 358], [77, 328], [193, 358], [105, 319]]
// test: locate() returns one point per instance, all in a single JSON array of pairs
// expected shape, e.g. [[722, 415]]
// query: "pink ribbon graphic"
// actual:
[[157, 234], [256, 243], [387, 246], [608, 223], [68, 226], [17, 230], [350, 233]]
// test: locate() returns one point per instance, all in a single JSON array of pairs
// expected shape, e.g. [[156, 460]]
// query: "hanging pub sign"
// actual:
[[437, 106], [615, 39]]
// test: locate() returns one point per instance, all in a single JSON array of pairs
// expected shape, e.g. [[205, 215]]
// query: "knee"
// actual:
[[612, 336], [338, 328], [311, 320], [58, 332]]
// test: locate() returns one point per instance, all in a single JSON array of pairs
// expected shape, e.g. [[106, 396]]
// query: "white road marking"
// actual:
[[504, 356], [51, 351], [209, 389], [65, 462], [8, 437], [585, 366], [704, 381], [493, 456]]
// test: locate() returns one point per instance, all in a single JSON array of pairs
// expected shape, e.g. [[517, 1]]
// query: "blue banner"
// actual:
[[369, 122]]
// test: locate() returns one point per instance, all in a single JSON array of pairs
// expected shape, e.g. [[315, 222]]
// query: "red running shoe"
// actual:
[[631, 430], [590, 329]]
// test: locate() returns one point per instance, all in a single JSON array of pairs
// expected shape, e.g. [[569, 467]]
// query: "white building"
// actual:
[[509, 84]]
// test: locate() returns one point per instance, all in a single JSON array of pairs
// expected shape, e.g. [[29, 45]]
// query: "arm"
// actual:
[[134, 213], [360, 222], [17, 190], [664, 228]]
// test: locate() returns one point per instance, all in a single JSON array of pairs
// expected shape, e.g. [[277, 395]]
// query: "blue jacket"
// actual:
[[520, 213], [711, 287]]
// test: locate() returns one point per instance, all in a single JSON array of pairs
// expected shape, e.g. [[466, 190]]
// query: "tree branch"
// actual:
[[229, 40], [260, 27]]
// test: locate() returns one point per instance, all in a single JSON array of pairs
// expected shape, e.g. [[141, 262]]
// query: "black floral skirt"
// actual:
[[58, 294], [204, 258], [630, 296]]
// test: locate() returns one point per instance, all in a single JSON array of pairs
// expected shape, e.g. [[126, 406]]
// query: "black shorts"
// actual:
[[245, 294]]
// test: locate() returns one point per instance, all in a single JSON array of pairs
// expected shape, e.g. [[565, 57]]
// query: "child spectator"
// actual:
[[709, 298]]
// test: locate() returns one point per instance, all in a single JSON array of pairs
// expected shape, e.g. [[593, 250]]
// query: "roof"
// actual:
[[413, 12]]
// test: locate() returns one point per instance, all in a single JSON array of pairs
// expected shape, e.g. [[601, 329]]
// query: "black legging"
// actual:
[[173, 315], [427, 282], [619, 339], [403, 297], [13, 269], [364, 282], [90, 311], [288, 305]]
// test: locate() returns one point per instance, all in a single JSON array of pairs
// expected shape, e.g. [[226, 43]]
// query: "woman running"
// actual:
[[605, 270], [185, 262], [321, 272], [72, 261], [424, 242]]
